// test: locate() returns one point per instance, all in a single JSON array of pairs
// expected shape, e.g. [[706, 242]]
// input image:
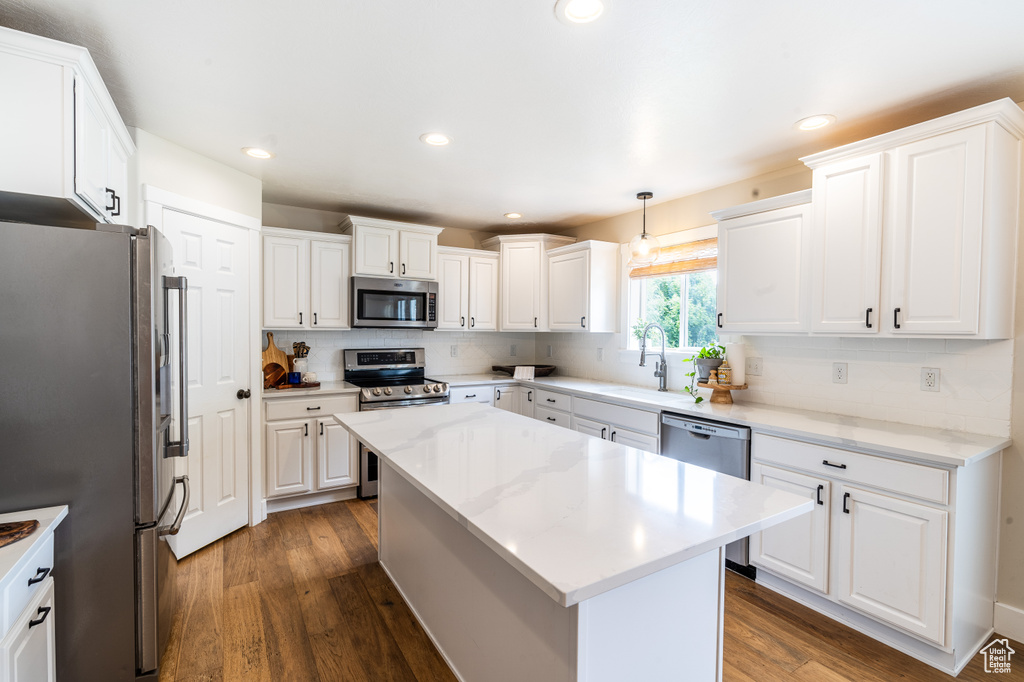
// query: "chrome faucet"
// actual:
[[661, 371]]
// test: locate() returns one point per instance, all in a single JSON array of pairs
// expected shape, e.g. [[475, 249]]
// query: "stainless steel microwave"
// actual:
[[404, 303]]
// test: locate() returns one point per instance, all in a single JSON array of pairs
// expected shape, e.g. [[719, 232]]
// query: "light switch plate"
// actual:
[[512, 350], [754, 367]]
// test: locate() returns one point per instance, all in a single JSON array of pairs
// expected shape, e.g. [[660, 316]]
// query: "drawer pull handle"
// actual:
[[867, 318], [41, 574], [473, 395], [462, 321], [310, 409], [846, 497], [551, 419], [613, 436], [896, 318], [552, 400], [719, 320], [45, 611], [820, 488], [830, 464], [306, 428], [529, 396], [321, 428], [603, 429]]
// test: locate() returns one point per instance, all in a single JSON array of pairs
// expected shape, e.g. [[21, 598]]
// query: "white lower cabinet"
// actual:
[[28, 652], [518, 399], [471, 394], [624, 425], [306, 455], [901, 551]]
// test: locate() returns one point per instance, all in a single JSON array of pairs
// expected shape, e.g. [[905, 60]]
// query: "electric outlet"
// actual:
[[929, 378], [600, 354], [840, 372], [754, 367], [455, 351], [550, 352], [512, 350]]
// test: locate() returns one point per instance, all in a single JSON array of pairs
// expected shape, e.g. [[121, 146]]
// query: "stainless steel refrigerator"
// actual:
[[88, 387]]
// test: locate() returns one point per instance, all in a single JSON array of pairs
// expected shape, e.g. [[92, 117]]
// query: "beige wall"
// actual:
[[167, 166], [296, 218]]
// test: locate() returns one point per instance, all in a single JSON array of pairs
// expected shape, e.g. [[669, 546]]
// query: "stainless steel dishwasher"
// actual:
[[716, 446]]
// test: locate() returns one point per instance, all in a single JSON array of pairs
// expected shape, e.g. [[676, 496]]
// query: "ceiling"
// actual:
[[562, 123]]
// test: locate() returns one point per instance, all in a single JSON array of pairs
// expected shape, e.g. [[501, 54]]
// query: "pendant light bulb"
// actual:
[[643, 248]]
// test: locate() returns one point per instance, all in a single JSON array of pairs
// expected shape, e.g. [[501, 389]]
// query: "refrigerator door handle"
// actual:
[[179, 448], [176, 526]]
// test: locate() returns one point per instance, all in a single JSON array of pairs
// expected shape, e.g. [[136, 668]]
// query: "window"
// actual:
[[679, 293]]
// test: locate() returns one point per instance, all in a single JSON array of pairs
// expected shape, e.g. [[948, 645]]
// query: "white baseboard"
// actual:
[[309, 500], [1010, 621]]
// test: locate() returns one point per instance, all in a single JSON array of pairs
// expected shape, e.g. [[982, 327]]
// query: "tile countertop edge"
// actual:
[[13, 556], [877, 437]]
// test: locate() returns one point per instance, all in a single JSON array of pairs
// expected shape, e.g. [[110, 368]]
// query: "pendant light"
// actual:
[[643, 248]]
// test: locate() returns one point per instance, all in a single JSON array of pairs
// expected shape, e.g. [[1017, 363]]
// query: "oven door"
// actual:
[[405, 303], [368, 460]]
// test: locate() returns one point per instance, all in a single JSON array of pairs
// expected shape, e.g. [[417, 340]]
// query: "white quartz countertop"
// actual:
[[13, 556], [576, 515], [326, 388], [920, 443]]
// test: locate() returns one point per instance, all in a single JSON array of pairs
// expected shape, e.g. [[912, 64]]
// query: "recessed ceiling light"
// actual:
[[435, 139], [513, 216], [815, 122], [578, 11], [257, 153]]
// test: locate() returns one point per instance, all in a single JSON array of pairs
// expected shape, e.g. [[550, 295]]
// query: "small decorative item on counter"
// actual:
[[309, 377], [294, 377], [16, 530], [300, 365], [725, 374], [713, 377], [301, 349]]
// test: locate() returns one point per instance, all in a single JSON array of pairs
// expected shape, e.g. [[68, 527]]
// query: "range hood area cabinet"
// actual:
[[524, 279], [916, 230], [763, 265], [305, 279], [467, 298], [384, 248], [65, 149], [583, 287]]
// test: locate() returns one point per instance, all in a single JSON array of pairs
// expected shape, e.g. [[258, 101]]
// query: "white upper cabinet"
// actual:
[[384, 248], [846, 258], [65, 149], [305, 280], [763, 255], [583, 287], [524, 279], [467, 289], [920, 225]]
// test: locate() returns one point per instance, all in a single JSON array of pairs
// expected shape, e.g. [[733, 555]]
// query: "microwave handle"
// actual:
[[179, 448]]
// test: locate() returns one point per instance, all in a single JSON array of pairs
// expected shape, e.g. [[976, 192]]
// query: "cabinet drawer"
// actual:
[[471, 394], [914, 480], [19, 592], [554, 401], [633, 439], [552, 416], [629, 417], [301, 408]]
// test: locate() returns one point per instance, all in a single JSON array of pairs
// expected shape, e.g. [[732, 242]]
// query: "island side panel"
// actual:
[[488, 621], [666, 626]]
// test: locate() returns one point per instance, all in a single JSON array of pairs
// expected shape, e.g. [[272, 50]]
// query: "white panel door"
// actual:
[[635, 439], [289, 457], [329, 267], [847, 253], [936, 233], [569, 291], [214, 256], [28, 654], [507, 398], [336, 455], [892, 561], [762, 285], [483, 293], [453, 292], [590, 427], [376, 250], [285, 282], [417, 255], [520, 286], [527, 401], [91, 132], [796, 549]]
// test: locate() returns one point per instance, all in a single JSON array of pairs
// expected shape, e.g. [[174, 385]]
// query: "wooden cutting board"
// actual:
[[18, 530], [274, 355]]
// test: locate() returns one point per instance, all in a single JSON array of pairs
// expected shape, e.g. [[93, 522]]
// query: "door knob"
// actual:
[[243, 393]]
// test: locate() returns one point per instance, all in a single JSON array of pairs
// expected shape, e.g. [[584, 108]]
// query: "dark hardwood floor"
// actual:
[[301, 597]]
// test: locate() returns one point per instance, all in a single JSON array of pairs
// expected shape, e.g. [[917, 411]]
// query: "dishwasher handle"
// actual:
[[699, 427]]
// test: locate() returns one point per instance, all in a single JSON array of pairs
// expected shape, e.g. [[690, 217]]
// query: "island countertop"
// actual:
[[576, 515]]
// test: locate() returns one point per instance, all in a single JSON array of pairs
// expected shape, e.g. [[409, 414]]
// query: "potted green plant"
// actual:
[[710, 357]]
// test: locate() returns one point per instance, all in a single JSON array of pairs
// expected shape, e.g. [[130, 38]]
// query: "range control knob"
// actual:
[[376, 391], [387, 390], [426, 388], [408, 389], [437, 388]]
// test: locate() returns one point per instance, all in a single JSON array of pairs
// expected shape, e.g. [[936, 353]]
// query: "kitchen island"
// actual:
[[528, 551]]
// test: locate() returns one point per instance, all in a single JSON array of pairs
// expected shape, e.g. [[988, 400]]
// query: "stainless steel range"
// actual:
[[389, 378]]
